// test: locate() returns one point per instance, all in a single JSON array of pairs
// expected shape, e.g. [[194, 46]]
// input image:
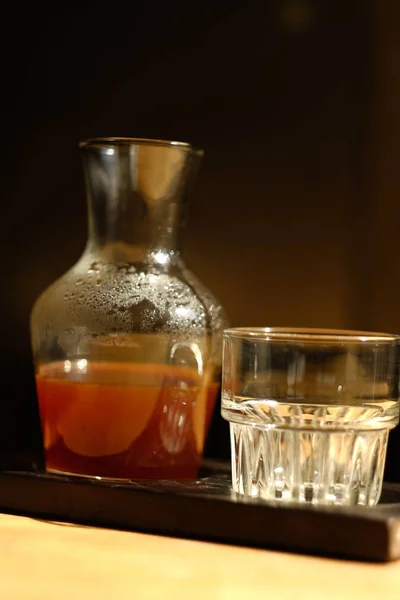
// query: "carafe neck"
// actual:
[[137, 194]]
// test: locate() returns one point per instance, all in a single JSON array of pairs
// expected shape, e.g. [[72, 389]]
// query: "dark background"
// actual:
[[296, 212]]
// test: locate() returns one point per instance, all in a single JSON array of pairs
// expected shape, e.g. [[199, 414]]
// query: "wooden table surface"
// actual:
[[55, 561]]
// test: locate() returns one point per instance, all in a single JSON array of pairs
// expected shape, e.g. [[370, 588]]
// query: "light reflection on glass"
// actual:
[[82, 365]]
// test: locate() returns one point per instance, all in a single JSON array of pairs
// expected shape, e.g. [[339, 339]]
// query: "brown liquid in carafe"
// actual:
[[121, 420]]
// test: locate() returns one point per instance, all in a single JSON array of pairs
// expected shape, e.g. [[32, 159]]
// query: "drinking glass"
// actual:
[[310, 411]]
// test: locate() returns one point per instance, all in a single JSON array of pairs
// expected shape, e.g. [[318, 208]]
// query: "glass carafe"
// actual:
[[127, 344]]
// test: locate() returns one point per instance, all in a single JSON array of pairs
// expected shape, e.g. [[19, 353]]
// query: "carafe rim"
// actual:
[[122, 142]]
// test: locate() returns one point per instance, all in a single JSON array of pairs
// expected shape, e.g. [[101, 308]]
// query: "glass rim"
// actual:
[[111, 142], [309, 334]]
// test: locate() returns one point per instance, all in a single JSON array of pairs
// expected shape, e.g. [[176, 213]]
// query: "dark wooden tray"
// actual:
[[207, 509]]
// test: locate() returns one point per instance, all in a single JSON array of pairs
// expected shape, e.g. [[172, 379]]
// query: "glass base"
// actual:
[[314, 467], [180, 473]]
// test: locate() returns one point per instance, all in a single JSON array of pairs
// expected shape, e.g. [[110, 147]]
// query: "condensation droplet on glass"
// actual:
[[94, 267]]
